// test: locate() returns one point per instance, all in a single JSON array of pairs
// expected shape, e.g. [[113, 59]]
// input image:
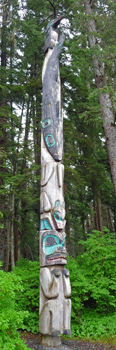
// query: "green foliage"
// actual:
[[99, 267], [1, 218], [28, 298], [92, 324], [10, 318], [87, 170], [93, 281]]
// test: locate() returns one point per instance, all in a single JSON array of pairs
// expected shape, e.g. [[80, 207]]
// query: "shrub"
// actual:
[[10, 319], [93, 281], [98, 266], [95, 325], [28, 299]]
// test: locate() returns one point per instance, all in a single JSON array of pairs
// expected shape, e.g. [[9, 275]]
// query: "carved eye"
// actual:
[[57, 216], [50, 140], [46, 123], [50, 241]]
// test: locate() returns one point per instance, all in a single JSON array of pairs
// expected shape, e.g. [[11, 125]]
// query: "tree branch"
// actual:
[[54, 7]]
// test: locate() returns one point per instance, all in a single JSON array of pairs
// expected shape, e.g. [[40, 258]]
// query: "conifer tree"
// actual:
[[88, 83]]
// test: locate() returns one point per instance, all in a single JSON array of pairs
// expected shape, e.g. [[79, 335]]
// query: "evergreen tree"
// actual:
[[88, 85]]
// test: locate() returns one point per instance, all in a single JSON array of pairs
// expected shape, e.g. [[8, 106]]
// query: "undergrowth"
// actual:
[[94, 325], [28, 299], [10, 318], [93, 282]]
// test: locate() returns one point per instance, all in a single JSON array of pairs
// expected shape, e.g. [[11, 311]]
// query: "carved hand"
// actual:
[[56, 272], [65, 272]]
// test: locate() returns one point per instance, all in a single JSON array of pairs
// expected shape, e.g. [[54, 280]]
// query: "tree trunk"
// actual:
[[16, 231], [7, 248], [98, 213], [24, 210], [104, 98], [12, 234], [3, 118], [115, 214]]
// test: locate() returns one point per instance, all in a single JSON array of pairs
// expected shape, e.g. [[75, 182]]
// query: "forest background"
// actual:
[[88, 79]]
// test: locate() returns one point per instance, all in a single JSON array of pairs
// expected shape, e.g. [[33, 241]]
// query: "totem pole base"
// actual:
[[49, 340]]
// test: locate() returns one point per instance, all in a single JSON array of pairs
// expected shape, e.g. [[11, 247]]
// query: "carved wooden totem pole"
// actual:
[[55, 290]]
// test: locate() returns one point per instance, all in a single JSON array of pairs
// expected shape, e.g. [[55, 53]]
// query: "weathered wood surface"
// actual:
[[55, 305], [55, 290]]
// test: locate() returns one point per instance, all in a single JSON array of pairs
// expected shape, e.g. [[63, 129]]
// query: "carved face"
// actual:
[[52, 248]]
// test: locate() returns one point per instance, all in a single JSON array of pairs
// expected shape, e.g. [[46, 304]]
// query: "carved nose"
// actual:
[[61, 249]]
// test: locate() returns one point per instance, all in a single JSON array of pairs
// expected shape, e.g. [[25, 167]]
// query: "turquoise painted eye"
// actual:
[[50, 243], [57, 216], [46, 123], [50, 140]]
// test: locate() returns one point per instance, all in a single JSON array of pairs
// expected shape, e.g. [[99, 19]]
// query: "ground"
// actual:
[[33, 342]]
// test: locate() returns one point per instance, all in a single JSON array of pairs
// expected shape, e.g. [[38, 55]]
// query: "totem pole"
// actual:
[[55, 290]]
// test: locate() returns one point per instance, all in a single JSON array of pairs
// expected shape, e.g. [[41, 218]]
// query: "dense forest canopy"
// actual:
[[88, 79]]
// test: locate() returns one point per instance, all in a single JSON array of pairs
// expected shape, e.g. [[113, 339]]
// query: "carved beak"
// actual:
[[57, 22]]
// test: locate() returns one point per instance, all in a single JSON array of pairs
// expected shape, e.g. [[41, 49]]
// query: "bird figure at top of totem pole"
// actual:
[[52, 124]]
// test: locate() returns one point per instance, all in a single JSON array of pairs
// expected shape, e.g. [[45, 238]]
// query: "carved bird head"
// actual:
[[51, 36]]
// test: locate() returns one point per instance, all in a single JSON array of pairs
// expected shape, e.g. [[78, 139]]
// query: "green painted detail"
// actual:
[[50, 243], [46, 123], [51, 22], [59, 45], [44, 225], [57, 216], [57, 203], [50, 140]]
